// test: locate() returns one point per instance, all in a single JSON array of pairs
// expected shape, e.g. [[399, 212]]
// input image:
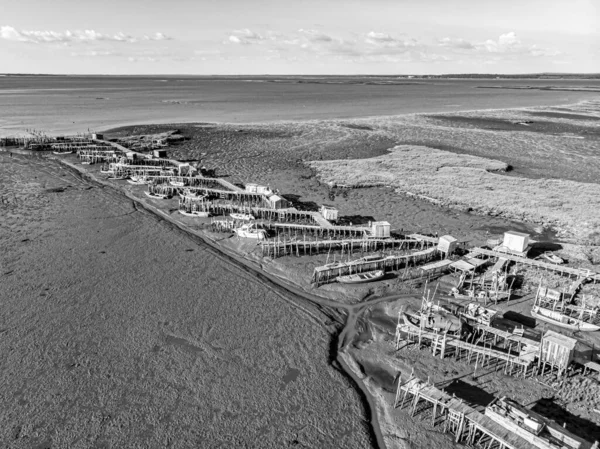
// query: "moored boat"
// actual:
[[551, 257], [250, 232], [239, 216], [359, 278], [158, 196], [62, 152], [560, 319], [177, 183], [481, 315], [195, 213]]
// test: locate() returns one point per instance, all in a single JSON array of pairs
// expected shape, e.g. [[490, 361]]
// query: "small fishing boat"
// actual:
[[432, 322], [62, 152], [157, 196], [359, 278], [114, 176], [531, 426], [195, 213], [250, 232], [481, 315], [238, 216], [560, 319], [177, 183], [138, 180], [552, 258]]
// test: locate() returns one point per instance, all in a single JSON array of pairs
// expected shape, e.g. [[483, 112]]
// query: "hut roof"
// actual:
[[476, 262], [275, 198], [560, 339], [462, 265], [448, 238]]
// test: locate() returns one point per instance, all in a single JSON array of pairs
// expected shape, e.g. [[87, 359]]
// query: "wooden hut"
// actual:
[[380, 229], [159, 153], [277, 202], [556, 350], [517, 242], [447, 245], [329, 212], [251, 188]]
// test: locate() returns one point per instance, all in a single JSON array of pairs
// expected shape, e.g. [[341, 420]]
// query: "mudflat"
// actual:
[[118, 330]]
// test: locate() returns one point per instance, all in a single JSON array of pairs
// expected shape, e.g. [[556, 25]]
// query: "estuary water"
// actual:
[[66, 104]]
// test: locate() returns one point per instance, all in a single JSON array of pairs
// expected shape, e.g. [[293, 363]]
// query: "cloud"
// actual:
[[246, 36], [506, 44], [385, 40], [456, 43], [315, 36], [67, 37]]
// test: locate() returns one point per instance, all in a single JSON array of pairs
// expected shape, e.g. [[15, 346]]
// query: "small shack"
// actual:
[[131, 155], [380, 229], [159, 153], [251, 188], [97, 136], [447, 245], [517, 242], [329, 212], [478, 264], [556, 350], [277, 202], [263, 190]]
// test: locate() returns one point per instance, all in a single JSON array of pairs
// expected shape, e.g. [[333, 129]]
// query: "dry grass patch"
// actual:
[[469, 182]]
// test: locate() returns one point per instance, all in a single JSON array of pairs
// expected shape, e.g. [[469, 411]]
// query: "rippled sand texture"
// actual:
[[119, 331]]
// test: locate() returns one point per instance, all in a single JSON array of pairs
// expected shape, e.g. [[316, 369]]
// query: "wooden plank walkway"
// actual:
[[467, 424], [580, 273], [328, 273]]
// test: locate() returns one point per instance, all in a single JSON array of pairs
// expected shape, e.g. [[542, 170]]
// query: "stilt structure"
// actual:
[[467, 425]]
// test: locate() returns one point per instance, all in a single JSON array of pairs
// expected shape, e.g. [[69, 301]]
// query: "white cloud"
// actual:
[[315, 36], [385, 40], [67, 37], [506, 44], [246, 36], [456, 43]]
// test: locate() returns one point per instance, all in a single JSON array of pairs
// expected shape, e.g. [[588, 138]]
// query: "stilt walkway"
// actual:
[[468, 426], [577, 272], [481, 352]]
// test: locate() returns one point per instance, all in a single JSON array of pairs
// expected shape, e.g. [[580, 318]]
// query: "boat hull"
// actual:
[[361, 278], [195, 214], [570, 323]]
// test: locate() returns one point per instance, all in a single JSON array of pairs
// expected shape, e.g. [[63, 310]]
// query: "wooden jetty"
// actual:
[[296, 246], [482, 352], [328, 273], [576, 272], [468, 426]]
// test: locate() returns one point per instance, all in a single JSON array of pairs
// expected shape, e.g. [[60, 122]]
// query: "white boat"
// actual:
[[158, 196], [250, 232], [177, 183], [560, 319], [195, 213], [238, 216], [62, 152], [359, 278], [138, 180], [481, 315], [552, 258]]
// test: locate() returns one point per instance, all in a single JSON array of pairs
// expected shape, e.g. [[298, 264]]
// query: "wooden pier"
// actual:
[[576, 272], [297, 247], [329, 273], [482, 352], [468, 426]]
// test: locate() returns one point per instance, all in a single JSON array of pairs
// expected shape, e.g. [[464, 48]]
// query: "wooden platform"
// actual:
[[469, 426], [577, 272]]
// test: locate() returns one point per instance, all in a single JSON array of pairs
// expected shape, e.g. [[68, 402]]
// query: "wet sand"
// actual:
[[119, 330]]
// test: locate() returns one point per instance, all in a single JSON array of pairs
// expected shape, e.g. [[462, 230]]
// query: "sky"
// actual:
[[231, 37]]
